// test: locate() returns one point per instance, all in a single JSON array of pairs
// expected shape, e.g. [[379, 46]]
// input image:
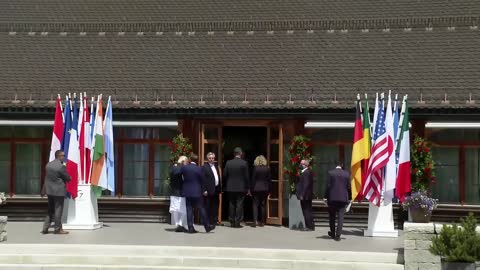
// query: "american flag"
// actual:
[[381, 150]]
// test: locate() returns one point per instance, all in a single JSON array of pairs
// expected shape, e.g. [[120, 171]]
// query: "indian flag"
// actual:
[[99, 176]]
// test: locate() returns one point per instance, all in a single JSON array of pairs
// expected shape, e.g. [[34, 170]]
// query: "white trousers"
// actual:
[[178, 211]]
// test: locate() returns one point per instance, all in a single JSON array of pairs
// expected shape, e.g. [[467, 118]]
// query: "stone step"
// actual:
[[260, 263], [325, 265], [158, 252], [65, 256]]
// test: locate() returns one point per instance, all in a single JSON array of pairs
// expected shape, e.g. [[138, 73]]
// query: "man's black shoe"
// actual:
[[337, 238], [331, 235], [192, 231], [210, 228], [44, 232], [180, 229]]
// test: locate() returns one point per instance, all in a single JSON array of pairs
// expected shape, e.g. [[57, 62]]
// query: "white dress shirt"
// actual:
[[215, 173]]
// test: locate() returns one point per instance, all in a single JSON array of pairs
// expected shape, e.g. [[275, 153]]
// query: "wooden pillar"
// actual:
[[43, 162], [151, 168], [418, 127], [13, 157], [461, 174], [119, 178]]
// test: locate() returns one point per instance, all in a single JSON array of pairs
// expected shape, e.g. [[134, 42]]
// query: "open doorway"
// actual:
[[253, 141]]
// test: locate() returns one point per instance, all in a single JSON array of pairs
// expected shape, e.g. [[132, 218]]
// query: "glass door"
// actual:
[[275, 162]]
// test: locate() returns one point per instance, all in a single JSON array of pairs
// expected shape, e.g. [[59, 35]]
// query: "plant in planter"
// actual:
[[300, 148], [3, 199], [422, 164], [419, 203], [420, 206], [459, 246], [3, 219], [179, 146]]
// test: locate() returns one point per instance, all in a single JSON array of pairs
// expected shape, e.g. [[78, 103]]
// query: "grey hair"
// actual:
[[210, 154], [181, 159], [306, 162]]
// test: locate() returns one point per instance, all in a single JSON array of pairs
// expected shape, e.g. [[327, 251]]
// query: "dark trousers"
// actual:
[[211, 204], [55, 211], [336, 209], [260, 202], [235, 207], [196, 202], [307, 211]]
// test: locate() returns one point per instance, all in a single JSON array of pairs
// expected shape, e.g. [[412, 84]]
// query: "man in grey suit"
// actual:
[[55, 179]]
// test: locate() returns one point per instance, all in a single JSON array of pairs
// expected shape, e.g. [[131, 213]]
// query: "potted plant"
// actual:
[[3, 219], [458, 246], [179, 146], [3, 199], [300, 148], [419, 204]]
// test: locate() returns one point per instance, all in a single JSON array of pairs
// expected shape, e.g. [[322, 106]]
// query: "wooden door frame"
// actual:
[[267, 123]]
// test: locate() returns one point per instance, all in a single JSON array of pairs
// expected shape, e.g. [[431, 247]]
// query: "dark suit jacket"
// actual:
[[338, 186], [55, 178], [236, 175], [304, 185], [176, 180], [261, 179], [209, 180], [192, 181]]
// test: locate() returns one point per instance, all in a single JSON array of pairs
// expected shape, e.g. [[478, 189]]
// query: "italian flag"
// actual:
[[403, 178], [98, 177]]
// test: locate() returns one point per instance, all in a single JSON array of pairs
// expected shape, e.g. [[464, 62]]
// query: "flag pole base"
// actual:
[[83, 226], [82, 213], [391, 234], [380, 220]]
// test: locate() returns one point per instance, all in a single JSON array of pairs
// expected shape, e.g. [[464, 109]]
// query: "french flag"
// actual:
[[73, 160]]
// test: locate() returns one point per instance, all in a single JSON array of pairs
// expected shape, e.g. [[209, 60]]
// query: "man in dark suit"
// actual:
[[304, 192], [338, 194], [211, 187], [55, 178], [236, 182], [192, 191]]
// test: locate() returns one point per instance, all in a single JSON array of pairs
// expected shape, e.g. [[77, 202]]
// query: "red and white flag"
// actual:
[[403, 185], [57, 134], [381, 151], [84, 140]]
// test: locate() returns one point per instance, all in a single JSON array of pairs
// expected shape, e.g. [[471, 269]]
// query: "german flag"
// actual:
[[360, 151]]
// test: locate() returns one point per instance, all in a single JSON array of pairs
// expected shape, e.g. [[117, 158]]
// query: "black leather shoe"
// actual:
[[180, 229], [192, 231], [337, 238], [210, 228], [331, 235], [44, 232]]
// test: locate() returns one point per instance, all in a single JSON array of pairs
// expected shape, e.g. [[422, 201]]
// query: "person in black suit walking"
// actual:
[[338, 194], [260, 187], [304, 192], [211, 187], [192, 191], [236, 179]]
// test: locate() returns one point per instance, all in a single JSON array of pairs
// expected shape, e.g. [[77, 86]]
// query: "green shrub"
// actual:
[[458, 243]]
